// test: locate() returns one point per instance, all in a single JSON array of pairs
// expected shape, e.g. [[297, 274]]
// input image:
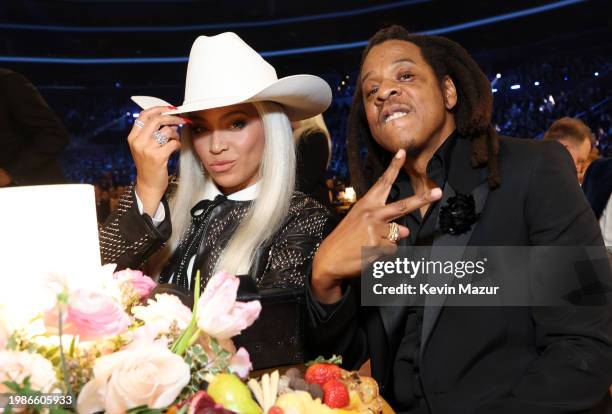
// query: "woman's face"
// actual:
[[230, 144]]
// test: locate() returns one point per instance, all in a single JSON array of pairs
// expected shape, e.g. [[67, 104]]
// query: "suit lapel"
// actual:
[[465, 180]]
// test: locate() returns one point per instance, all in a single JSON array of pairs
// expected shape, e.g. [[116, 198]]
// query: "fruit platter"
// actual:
[[293, 392], [110, 345], [324, 387]]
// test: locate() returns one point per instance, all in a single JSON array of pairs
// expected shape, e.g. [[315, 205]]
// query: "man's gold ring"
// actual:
[[393, 232]]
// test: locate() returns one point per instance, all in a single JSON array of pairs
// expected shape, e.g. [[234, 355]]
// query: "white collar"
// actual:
[[246, 194]]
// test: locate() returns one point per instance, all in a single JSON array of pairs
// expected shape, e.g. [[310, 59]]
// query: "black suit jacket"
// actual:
[[494, 360], [31, 134]]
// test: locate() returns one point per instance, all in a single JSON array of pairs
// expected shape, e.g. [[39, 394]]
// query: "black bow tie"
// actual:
[[190, 244]]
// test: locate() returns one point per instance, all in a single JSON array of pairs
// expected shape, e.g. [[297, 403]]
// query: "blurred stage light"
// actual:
[[515, 87], [498, 75], [128, 114], [135, 115], [536, 83], [565, 78], [494, 90], [596, 73], [285, 52]]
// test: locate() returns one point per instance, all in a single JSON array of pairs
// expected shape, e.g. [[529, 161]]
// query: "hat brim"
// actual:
[[302, 96]]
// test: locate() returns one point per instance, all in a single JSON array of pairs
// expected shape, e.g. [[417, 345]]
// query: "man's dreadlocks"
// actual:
[[472, 112]]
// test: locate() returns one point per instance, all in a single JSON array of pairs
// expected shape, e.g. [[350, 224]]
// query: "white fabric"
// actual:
[[605, 222], [160, 213], [210, 192]]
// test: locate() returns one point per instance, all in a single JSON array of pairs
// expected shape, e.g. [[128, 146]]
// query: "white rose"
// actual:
[[17, 365], [150, 375], [161, 312]]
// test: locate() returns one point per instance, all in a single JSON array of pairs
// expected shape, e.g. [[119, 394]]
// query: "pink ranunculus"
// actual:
[[219, 314], [142, 285], [91, 315], [240, 364]]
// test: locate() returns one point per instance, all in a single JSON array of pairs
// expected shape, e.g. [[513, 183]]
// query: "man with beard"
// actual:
[[423, 108]]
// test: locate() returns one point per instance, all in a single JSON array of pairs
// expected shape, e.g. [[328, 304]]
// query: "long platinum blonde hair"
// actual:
[[265, 215]]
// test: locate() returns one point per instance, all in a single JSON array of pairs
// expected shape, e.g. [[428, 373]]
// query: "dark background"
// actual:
[[562, 48]]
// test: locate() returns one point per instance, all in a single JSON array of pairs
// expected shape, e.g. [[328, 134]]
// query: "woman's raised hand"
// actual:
[[368, 223], [152, 141]]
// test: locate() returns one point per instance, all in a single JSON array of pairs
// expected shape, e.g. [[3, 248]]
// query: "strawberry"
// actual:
[[320, 370], [335, 394]]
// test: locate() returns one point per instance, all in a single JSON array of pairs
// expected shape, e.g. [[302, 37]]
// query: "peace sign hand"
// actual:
[[369, 223]]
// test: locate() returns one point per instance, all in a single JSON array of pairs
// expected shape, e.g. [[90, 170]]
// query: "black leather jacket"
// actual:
[[129, 238]]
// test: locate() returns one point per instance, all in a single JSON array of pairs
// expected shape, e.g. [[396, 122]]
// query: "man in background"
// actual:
[[574, 135], [31, 134]]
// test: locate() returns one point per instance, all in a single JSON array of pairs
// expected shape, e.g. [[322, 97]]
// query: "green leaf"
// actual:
[[214, 345], [143, 409], [335, 359], [191, 332], [59, 410], [12, 385]]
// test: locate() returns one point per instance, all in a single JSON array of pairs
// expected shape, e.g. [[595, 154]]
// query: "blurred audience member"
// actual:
[[593, 155], [576, 137], [314, 149], [32, 134], [103, 203], [598, 187]]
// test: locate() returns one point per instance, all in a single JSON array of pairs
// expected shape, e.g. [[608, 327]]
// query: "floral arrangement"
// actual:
[[111, 348], [106, 346]]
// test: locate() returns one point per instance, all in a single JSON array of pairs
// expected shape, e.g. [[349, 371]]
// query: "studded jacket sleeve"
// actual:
[[129, 238], [289, 258]]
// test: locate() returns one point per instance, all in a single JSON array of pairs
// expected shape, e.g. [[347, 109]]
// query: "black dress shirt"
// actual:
[[410, 397]]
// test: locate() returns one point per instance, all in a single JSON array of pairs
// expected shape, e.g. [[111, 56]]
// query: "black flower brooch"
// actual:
[[459, 214]]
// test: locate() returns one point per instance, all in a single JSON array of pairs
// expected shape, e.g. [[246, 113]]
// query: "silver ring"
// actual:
[[160, 138], [139, 123]]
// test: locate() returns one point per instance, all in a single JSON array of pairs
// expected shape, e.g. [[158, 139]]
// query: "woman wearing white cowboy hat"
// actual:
[[234, 207]]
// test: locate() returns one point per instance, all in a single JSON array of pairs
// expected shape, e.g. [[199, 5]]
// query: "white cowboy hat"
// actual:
[[223, 70]]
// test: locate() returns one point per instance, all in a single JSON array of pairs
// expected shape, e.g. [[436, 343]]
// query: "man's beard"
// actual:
[[408, 143]]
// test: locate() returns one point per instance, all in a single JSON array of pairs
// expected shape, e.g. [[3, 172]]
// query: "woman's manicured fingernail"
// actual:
[[399, 154]]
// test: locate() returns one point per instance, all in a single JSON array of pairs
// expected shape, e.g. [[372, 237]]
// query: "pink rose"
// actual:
[[219, 314], [90, 315], [142, 285]]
